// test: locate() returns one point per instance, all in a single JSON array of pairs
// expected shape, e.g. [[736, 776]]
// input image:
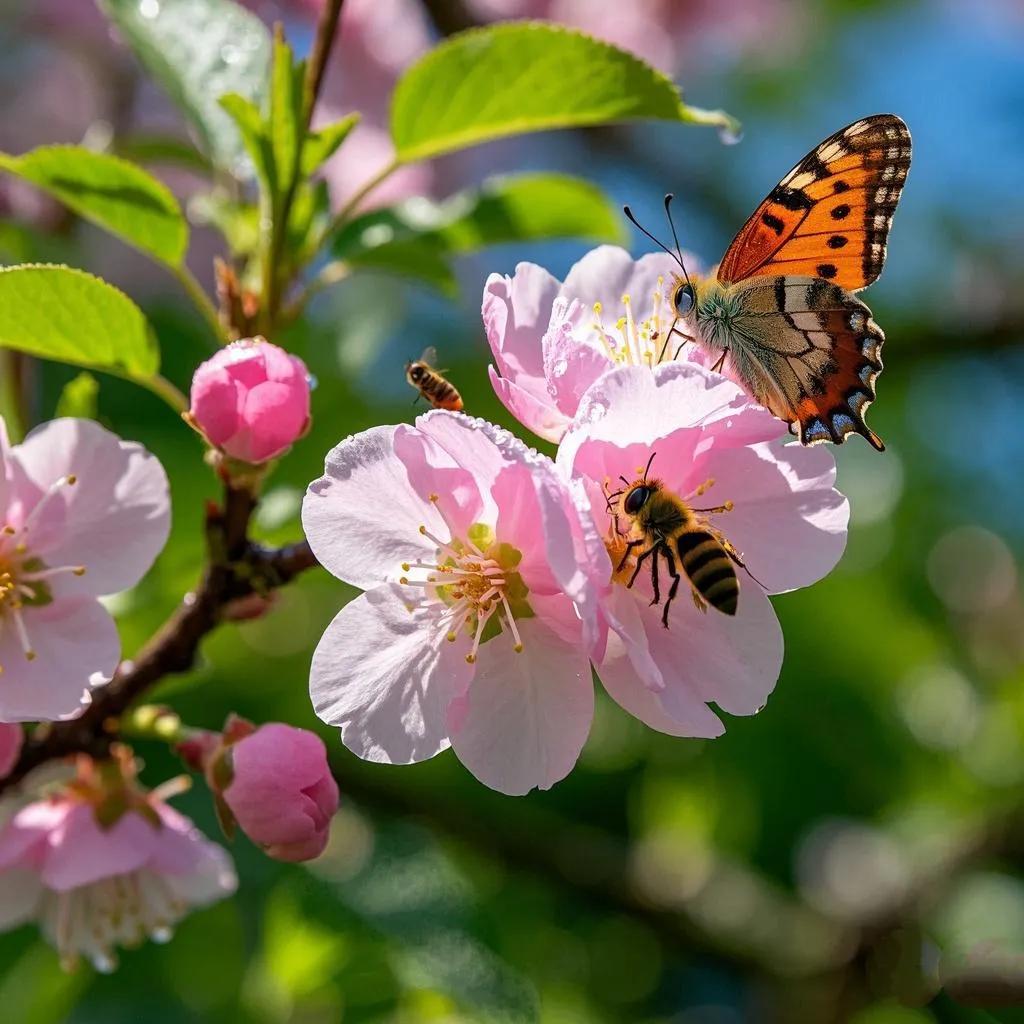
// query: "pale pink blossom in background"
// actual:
[[281, 791], [551, 340], [84, 514], [251, 400], [11, 738], [478, 613], [787, 522], [93, 884]]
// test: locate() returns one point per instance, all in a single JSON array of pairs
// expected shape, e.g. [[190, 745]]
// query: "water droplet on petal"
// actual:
[[561, 365], [230, 53], [161, 934], [595, 411], [730, 136], [312, 381]]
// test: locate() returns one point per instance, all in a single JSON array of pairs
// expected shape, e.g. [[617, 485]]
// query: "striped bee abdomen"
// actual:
[[709, 568]]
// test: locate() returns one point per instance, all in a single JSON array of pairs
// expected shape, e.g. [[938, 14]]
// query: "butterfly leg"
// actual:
[[674, 573], [717, 368]]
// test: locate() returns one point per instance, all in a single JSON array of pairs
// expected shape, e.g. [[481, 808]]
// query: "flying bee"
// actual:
[[430, 383], [665, 526]]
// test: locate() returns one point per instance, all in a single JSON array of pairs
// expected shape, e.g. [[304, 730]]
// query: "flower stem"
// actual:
[[169, 392], [346, 212]]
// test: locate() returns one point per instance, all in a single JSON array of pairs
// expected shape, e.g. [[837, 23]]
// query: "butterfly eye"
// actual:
[[683, 299]]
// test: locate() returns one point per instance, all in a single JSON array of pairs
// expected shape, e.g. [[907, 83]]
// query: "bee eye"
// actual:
[[683, 299], [636, 499]]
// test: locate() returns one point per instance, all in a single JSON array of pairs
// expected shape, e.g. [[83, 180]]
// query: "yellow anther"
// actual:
[[30, 655], [598, 307], [518, 648], [625, 300], [406, 567], [470, 659], [72, 479], [423, 530], [10, 531], [435, 497], [728, 506], [404, 580], [451, 638], [79, 570]]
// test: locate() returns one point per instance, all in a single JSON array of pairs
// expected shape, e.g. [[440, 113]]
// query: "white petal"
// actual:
[[362, 517], [386, 675], [526, 716], [77, 648], [115, 519]]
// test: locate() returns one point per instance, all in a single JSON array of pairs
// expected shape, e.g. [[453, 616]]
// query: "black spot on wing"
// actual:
[[773, 222], [840, 186], [791, 198], [837, 241], [840, 212], [827, 270]]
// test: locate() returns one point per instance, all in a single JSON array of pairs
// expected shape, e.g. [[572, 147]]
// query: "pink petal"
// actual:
[[526, 716], [77, 648], [216, 402], [789, 523], [732, 660], [571, 365], [118, 514], [435, 470], [516, 311], [341, 513], [5, 454], [386, 675], [11, 739], [178, 849], [81, 851], [274, 416], [542, 417], [608, 272]]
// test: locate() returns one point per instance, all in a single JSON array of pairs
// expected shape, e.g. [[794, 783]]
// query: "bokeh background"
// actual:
[[854, 851]]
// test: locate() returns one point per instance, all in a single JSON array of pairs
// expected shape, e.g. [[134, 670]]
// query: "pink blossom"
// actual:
[[251, 400], [282, 793], [473, 629], [773, 502], [551, 341], [11, 738], [84, 515], [95, 876]]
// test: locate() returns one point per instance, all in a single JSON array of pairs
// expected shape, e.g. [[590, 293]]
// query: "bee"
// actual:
[[439, 392], [666, 527]]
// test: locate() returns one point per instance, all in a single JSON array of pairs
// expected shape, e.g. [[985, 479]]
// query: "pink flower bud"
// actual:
[[11, 737], [251, 400], [282, 793]]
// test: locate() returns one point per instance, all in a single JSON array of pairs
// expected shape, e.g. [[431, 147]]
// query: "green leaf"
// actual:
[[418, 238], [64, 314], [79, 397], [111, 192], [198, 50], [237, 221], [525, 77], [285, 122], [253, 132], [321, 144]]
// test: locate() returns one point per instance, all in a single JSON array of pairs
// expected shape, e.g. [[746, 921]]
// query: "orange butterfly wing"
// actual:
[[830, 216]]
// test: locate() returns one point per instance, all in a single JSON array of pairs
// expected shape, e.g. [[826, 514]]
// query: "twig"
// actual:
[[237, 569], [317, 67]]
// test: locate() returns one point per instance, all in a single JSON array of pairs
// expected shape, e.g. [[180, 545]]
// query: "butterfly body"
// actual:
[[781, 309]]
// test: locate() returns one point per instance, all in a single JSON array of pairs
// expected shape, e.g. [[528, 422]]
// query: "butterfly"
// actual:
[[781, 306]]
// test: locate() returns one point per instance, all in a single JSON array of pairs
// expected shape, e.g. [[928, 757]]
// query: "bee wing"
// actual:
[[429, 356]]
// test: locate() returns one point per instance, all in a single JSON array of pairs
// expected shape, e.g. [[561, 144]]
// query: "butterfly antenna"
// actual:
[[661, 245], [675, 238]]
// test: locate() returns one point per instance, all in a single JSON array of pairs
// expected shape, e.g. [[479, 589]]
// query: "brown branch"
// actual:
[[237, 568], [326, 30]]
